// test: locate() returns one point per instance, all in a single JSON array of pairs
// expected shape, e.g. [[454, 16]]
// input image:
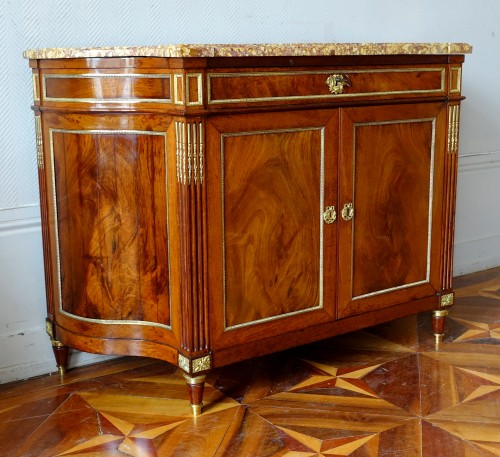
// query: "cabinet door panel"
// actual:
[[276, 174], [391, 164], [110, 200]]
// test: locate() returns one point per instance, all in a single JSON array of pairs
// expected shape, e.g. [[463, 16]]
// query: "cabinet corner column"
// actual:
[[60, 350], [194, 352], [446, 296]]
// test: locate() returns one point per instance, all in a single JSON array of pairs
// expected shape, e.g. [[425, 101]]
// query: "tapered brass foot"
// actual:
[[195, 389], [61, 354]]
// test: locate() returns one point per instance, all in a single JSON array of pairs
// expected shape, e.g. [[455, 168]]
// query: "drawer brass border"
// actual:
[[431, 199], [320, 219], [56, 225], [35, 80], [199, 84], [328, 95], [106, 76], [458, 87]]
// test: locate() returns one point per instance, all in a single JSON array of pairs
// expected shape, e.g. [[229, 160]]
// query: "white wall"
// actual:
[[24, 348]]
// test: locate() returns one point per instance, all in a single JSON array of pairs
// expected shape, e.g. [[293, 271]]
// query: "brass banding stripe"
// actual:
[[457, 89], [56, 225], [35, 81], [199, 84], [179, 96], [441, 89], [321, 130], [105, 76]]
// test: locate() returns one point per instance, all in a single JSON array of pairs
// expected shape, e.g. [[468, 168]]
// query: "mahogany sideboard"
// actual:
[[205, 204]]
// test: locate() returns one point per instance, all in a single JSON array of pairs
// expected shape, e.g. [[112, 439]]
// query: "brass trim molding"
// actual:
[[183, 363], [105, 76], [49, 329], [199, 84], [447, 300], [192, 366], [426, 280], [189, 145], [458, 88], [179, 95], [453, 127], [39, 142], [321, 130], [56, 226], [35, 81], [211, 101], [202, 364]]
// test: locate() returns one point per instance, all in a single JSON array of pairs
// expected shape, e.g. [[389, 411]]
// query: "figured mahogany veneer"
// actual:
[[208, 210]]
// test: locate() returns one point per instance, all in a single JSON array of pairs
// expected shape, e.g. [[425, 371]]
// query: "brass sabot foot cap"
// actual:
[[196, 409], [438, 338]]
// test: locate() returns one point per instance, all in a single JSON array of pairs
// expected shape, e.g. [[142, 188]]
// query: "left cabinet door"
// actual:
[[107, 187], [273, 258]]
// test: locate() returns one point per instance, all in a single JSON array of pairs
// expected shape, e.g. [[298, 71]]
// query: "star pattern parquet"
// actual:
[[382, 392]]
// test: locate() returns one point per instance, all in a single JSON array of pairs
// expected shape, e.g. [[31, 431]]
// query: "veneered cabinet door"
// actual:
[[108, 194], [273, 258], [392, 173]]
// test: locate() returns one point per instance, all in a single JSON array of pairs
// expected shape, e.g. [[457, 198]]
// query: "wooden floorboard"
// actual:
[[382, 392]]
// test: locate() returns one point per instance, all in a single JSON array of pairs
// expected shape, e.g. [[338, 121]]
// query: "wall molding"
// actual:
[[476, 255], [480, 161], [14, 221]]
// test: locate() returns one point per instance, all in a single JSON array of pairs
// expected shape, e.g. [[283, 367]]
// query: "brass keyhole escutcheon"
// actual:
[[336, 83], [347, 212], [330, 215]]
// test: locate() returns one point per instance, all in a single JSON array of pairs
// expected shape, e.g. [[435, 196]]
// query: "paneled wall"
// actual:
[[24, 348]]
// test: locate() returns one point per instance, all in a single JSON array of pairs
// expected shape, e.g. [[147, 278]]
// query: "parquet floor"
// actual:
[[384, 391]]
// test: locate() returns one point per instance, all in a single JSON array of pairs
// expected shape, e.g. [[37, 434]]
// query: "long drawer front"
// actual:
[[324, 85]]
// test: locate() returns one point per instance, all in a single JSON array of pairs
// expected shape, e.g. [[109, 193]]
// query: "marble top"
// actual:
[[252, 50]]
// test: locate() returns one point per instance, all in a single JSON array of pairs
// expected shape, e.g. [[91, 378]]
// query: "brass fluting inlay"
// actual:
[[453, 124], [39, 142], [189, 152]]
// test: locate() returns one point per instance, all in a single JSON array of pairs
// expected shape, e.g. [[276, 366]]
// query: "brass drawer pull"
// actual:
[[336, 83], [347, 212], [330, 215]]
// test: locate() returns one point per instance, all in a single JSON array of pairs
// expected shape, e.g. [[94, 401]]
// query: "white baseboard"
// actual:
[[29, 354], [25, 349]]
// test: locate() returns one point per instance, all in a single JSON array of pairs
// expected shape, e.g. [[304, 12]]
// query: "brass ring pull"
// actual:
[[347, 212], [330, 215], [336, 83]]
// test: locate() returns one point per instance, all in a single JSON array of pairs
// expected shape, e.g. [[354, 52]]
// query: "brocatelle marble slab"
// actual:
[[247, 50]]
